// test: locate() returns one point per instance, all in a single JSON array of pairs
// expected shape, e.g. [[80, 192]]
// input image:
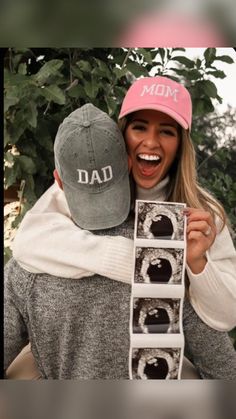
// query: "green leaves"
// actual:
[[54, 93], [120, 72], [137, 69], [10, 101], [77, 92], [209, 55], [209, 88], [146, 55], [185, 61], [111, 104], [11, 175], [49, 69], [84, 66], [193, 74], [225, 59], [162, 53], [22, 69], [101, 69], [76, 71], [91, 88], [218, 74], [202, 93], [32, 114], [27, 164]]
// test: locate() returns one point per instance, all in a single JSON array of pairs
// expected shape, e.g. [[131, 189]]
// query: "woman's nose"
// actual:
[[151, 139]]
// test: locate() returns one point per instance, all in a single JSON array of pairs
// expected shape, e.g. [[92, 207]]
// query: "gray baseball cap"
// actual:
[[91, 160]]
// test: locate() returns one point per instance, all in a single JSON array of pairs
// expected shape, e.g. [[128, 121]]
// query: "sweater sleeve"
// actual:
[[213, 291], [15, 329], [50, 242]]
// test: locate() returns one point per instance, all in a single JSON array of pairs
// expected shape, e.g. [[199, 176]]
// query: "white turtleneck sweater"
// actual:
[[48, 241]]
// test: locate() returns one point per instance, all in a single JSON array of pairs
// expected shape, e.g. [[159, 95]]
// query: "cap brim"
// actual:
[[97, 211], [155, 107]]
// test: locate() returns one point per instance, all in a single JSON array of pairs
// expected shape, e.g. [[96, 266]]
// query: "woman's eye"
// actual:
[[168, 132], [139, 127]]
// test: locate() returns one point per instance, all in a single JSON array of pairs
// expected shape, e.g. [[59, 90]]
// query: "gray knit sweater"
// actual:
[[78, 329]]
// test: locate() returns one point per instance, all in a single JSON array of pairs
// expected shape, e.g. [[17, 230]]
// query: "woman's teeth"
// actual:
[[148, 163], [149, 157]]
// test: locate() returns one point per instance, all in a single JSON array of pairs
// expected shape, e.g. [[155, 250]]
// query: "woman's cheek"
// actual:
[[129, 163]]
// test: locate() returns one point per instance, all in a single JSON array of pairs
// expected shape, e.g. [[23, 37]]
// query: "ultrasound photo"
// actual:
[[156, 315], [155, 363], [158, 266], [160, 221]]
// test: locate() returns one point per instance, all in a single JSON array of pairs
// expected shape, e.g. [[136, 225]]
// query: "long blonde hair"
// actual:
[[184, 186]]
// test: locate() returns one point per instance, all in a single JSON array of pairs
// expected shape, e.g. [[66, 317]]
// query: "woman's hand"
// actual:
[[201, 233]]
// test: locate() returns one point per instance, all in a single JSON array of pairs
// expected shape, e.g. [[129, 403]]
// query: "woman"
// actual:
[[155, 119]]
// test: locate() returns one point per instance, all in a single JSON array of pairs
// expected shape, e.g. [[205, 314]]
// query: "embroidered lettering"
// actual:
[[160, 90], [105, 175], [83, 176], [95, 177], [149, 90], [170, 92]]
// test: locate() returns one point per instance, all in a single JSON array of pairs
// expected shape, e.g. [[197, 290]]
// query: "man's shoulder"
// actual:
[[16, 278], [13, 267], [14, 271]]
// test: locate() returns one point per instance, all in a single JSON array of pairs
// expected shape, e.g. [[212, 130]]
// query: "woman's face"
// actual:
[[152, 141]]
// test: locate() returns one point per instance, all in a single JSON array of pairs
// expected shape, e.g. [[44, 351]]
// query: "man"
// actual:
[[76, 328]]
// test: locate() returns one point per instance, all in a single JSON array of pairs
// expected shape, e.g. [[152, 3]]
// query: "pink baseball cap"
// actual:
[[160, 94]]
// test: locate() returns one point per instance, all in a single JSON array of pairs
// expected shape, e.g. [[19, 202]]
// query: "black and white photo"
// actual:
[[158, 265], [156, 315], [155, 363], [160, 221]]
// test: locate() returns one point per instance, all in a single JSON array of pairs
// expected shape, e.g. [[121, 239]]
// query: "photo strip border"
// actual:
[[158, 289]]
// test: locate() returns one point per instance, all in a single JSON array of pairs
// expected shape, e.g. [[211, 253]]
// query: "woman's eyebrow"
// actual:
[[162, 124], [167, 124], [139, 120]]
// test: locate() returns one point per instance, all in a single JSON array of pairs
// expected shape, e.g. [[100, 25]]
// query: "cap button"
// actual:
[[86, 124]]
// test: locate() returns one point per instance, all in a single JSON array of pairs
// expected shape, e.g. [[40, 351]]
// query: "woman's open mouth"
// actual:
[[148, 163]]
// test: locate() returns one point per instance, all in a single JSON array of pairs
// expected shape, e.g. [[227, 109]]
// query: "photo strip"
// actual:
[[156, 312]]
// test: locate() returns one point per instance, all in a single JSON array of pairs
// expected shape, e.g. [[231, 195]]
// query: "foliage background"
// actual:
[[43, 85]]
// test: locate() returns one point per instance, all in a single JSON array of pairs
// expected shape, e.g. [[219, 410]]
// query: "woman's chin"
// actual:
[[147, 183]]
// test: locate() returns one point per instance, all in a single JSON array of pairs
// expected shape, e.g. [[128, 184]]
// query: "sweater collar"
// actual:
[[157, 193]]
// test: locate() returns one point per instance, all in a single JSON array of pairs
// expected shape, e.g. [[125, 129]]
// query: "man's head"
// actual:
[[91, 163]]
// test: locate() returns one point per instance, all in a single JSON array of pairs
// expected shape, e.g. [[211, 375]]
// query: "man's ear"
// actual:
[[57, 178]]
